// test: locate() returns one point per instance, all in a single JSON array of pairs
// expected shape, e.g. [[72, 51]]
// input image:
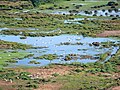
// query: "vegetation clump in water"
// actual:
[[47, 57], [13, 45], [34, 62]]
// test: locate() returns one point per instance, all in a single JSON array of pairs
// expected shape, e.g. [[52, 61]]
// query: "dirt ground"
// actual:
[[43, 72], [116, 88], [48, 72], [6, 85], [50, 86], [109, 33], [5, 46]]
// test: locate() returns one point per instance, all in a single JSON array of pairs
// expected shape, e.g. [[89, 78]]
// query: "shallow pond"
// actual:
[[51, 45], [101, 13]]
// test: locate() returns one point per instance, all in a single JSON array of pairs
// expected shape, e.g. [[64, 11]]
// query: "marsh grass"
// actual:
[[9, 57]]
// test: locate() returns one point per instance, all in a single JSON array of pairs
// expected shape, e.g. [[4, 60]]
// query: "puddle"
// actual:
[[61, 50], [18, 19], [76, 20], [18, 29], [53, 31], [100, 13], [4, 29], [97, 12], [26, 11]]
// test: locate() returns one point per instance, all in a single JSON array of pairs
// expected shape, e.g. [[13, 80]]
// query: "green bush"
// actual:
[[55, 74], [78, 70]]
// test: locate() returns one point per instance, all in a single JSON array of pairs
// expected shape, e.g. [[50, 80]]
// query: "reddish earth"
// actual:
[[116, 88], [48, 72], [50, 86], [5, 46], [6, 85], [109, 33]]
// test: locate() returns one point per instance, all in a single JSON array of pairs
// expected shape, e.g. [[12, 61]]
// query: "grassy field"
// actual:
[[42, 21], [84, 81], [86, 4]]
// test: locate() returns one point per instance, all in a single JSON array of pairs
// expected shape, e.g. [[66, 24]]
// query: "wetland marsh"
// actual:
[[76, 42]]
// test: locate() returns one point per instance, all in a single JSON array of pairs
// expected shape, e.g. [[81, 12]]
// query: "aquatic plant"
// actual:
[[47, 57], [34, 62], [104, 56], [12, 61], [23, 37], [13, 45]]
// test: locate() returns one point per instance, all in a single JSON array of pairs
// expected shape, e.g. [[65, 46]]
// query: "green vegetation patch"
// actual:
[[13, 45], [7, 57], [84, 81], [23, 80], [104, 56], [109, 44], [89, 76], [47, 57], [34, 62]]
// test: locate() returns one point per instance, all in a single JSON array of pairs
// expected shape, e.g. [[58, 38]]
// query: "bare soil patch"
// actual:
[[109, 33], [48, 72], [50, 86], [5, 46], [43, 72], [116, 88], [6, 85]]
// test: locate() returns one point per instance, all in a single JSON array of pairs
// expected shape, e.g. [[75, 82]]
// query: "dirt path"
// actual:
[[109, 33]]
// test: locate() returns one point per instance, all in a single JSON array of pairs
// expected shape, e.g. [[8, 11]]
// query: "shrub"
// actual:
[[33, 86], [78, 70], [55, 74]]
